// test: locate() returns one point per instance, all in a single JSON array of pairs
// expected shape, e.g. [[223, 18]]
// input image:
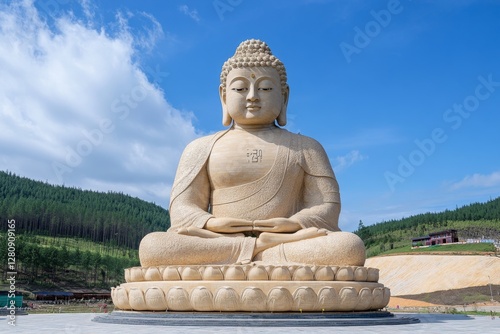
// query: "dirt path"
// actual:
[[402, 302]]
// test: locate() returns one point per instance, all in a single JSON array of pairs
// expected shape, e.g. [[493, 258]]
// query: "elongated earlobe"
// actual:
[[282, 116], [226, 118]]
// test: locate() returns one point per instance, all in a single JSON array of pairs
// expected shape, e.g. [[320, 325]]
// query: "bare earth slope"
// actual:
[[415, 274]]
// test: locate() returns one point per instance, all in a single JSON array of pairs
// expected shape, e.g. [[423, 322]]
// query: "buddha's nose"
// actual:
[[252, 94]]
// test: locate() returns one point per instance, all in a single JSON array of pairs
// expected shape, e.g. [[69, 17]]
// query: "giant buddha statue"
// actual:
[[251, 207]]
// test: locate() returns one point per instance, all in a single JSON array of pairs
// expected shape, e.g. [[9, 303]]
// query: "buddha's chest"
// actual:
[[237, 160]]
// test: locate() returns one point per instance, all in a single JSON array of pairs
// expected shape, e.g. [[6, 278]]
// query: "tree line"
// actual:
[[475, 220], [489, 210], [58, 211]]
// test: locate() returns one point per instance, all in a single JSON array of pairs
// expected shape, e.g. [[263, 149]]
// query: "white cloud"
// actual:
[[478, 181], [75, 108], [88, 8], [345, 161], [191, 13]]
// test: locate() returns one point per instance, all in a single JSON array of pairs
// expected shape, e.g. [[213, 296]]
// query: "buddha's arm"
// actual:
[[322, 203], [321, 211], [321, 197], [320, 215], [190, 208]]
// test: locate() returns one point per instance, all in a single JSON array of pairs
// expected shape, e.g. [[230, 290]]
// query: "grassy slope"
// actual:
[[83, 245]]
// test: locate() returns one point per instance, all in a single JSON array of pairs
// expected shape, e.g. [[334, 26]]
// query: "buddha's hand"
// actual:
[[276, 225], [228, 225]]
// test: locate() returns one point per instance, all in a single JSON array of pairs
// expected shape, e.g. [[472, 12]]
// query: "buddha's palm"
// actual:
[[235, 225], [276, 225]]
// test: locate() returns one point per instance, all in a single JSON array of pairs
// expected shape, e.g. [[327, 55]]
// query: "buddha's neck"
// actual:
[[254, 127]]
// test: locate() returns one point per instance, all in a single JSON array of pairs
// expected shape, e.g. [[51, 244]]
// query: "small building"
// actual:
[[52, 295], [74, 294], [436, 238], [92, 295]]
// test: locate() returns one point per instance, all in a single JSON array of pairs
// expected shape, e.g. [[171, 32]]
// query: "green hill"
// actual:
[[72, 236], [57, 211], [477, 220]]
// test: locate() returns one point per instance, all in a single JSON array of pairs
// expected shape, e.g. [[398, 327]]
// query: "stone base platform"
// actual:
[[233, 319], [251, 288]]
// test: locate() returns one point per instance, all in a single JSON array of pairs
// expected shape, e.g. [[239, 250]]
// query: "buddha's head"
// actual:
[[253, 86]]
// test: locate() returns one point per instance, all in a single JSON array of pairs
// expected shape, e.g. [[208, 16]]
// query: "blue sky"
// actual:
[[403, 95]]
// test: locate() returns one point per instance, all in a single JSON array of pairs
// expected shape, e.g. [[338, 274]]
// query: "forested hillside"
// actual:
[[477, 220], [72, 237], [57, 211]]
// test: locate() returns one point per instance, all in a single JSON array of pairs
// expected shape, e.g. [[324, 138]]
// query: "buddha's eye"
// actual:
[[265, 89], [239, 89]]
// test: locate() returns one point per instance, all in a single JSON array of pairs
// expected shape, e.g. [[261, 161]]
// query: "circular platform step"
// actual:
[[244, 319]]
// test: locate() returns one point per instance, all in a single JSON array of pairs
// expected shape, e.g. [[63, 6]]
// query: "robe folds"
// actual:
[[300, 181]]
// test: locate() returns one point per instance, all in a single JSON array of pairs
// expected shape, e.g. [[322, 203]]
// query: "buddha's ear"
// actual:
[[226, 119], [282, 116]]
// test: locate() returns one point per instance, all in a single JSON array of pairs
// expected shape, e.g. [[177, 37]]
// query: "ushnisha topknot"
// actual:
[[250, 53]]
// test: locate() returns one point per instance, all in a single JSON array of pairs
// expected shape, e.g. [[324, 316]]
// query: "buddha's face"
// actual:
[[253, 95]]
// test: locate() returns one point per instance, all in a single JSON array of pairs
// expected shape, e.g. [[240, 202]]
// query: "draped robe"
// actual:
[[300, 180]]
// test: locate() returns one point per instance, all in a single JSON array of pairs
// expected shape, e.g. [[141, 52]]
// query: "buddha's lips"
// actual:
[[253, 107]]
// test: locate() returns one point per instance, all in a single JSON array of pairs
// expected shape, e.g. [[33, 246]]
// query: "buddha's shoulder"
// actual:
[[199, 148], [311, 155], [303, 142], [204, 142]]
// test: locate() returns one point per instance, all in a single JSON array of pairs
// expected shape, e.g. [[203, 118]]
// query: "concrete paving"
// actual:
[[81, 323]]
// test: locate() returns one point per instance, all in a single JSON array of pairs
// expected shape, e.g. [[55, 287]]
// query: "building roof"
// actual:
[[420, 238]]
